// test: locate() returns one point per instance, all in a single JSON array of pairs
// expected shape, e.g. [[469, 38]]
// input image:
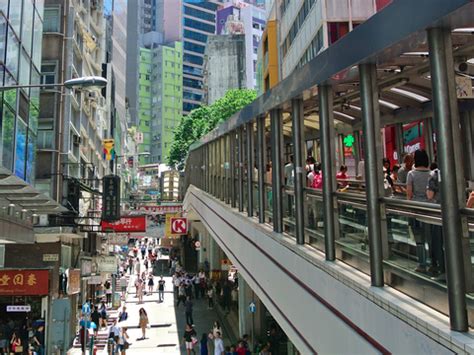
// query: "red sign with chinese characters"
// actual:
[[128, 224], [24, 282]]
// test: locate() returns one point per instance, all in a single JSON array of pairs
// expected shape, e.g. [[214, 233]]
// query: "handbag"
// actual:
[[126, 345], [19, 349], [194, 340]]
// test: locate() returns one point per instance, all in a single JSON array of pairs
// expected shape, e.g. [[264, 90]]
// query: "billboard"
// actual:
[[128, 224]]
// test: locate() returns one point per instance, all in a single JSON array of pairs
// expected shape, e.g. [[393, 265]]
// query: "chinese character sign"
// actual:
[[111, 198], [128, 224], [108, 149], [24, 282]]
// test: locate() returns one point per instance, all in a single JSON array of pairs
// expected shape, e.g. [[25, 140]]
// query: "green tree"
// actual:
[[204, 119]]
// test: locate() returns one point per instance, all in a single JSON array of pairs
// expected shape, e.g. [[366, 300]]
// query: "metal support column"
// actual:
[[232, 168], [240, 182], [399, 141], [297, 120], [227, 168], [449, 155], [277, 173], [328, 157], [220, 160], [373, 168], [261, 167], [223, 167], [250, 164]]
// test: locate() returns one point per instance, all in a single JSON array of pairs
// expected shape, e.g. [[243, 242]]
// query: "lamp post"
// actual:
[[85, 82]]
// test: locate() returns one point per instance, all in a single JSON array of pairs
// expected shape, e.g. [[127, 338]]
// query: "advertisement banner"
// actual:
[[73, 281], [161, 209], [24, 282], [129, 224], [107, 263]]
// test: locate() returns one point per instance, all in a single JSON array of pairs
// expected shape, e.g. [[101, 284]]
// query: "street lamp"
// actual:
[[89, 82]]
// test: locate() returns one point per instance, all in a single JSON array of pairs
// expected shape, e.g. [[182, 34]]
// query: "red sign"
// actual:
[[179, 225], [128, 224], [24, 282], [161, 209]]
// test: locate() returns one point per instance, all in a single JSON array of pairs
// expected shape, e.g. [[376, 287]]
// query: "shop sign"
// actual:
[[95, 280], [107, 263], [19, 308], [225, 264], [168, 224], [129, 224], [86, 267], [179, 225], [24, 282], [50, 257], [161, 209], [118, 239], [73, 281], [111, 198]]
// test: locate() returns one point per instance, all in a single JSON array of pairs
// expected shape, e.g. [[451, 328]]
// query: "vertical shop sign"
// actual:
[[111, 198]]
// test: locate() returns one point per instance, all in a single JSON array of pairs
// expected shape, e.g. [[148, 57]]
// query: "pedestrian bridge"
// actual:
[[343, 268]]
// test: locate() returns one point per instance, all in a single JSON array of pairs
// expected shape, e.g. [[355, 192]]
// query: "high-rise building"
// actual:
[[144, 102], [167, 93], [251, 18], [199, 21]]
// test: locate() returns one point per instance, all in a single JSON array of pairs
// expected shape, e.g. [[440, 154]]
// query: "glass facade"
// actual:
[[199, 19], [21, 30]]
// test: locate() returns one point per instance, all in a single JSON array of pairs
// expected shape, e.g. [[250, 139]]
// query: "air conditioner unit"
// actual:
[[76, 140]]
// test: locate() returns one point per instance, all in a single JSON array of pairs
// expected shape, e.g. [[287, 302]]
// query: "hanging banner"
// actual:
[[111, 198], [73, 281], [108, 146], [24, 282], [129, 224], [160, 209]]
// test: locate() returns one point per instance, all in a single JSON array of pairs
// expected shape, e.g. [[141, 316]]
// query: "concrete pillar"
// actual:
[[244, 300], [214, 254]]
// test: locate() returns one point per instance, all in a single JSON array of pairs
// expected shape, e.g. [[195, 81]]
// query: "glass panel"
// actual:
[[3, 34], [24, 69], [33, 118], [31, 158], [4, 7], [27, 26], [353, 242], [37, 41], [39, 4], [289, 222], [8, 125], [268, 202], [15, 15], [13, 48], [20, 151], [314, 218]]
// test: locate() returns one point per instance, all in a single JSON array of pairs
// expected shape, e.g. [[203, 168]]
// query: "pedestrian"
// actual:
[[108, 292], [218, 344], [123, 285], [137, 266], [83, 338], [216, 328], [140, 291], [103, 314], [196, 283], [151, 284], [123, 343], [188, 310], [210, 297], [143, 322], [241, 350], [203, 344], [145, 263], [123, 315], [181, 294], [38, 340], [189, 338], [161, 289], [143, 251], [3, 338], [114, 335], [95, 318]]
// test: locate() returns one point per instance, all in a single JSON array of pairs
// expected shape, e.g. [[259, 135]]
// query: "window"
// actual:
[[337, 30], [193, 59], [199, 14], [2, 255], [46, 134], [199, 25], [48, 73], [194, 47]]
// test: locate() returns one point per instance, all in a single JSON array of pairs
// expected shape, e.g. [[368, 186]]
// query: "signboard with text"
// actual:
[[111, 198], [73, 281], [168, 231], [128, 224], [107, 263], [161, 209], [24, 282]]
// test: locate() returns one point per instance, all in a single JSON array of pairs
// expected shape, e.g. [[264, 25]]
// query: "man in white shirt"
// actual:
[[289, 174], [218, 344]]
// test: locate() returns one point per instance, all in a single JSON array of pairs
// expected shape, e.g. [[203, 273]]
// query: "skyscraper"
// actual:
[[199, 21]]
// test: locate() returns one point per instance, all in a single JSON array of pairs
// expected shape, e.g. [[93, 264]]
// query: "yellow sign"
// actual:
[[168, 233], [108, 149]]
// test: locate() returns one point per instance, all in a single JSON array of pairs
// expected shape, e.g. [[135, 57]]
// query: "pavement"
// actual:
[[167, 322]]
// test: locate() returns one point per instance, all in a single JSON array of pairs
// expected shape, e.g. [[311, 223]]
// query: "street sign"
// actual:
[[19, 308], [179, 225], [111, 198], [252, 307], [86, 308]]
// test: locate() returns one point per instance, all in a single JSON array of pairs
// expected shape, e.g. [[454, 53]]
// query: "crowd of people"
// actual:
[[24, 338]]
